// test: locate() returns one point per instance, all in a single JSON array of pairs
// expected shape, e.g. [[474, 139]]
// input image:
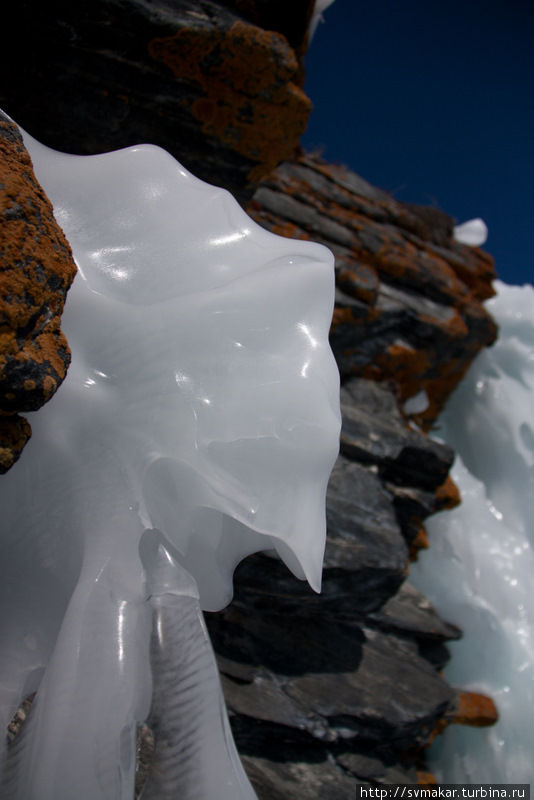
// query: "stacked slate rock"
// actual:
[[409, 297]]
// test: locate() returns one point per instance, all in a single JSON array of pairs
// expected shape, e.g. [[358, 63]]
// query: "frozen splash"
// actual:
[[198, 423], [480, 567]]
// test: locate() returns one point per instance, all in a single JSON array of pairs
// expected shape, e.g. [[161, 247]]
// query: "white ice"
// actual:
[[202, 404], [474, 232], [480, 566], [317, 16]]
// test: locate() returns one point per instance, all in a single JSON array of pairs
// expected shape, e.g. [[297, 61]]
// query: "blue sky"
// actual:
[[435, 103]]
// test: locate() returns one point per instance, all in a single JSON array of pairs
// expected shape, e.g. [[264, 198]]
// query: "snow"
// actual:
[[479, 570], [473, 232], [317, 16]]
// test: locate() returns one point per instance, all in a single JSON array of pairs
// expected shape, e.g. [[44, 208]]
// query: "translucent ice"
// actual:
[[479, 569], [473, 232], [202, 405]]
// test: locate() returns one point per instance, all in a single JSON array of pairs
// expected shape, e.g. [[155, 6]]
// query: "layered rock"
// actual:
[[408, 307], [36, 269], [216, 84]]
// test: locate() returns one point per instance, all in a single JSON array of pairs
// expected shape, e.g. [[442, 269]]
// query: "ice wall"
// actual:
[[479, 570]]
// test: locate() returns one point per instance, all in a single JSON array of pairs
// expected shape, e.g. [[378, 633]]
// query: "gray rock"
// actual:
[[375, 766], [304, 779], [336, 681], [374, 432], [366, 555]]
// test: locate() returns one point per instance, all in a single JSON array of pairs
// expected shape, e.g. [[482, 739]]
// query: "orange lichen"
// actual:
[[360, 281], [476, 269], [289, 230], [420, 542], [387, 259], [426, 778], [342, 315], [400, 258], [470, 708], [454, 326], [250, 101], [406, 367], [474, 709], [448, 495], [14, 433], [372, 372], [439, 388], [36, 270]]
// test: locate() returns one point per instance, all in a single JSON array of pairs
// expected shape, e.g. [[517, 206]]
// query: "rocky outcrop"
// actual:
[[216, 84], [36, 269], [408, 307]]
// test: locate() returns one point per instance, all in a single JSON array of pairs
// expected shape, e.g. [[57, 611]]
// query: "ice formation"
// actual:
[[198, 423], [479, 569], [473, 232], [317, 16]]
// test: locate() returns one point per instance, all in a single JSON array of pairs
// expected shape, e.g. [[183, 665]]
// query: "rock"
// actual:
[[374, 432], [274, 15], [469, 708], [411, 467], [394, 695], [475, 709], [409, 613], [372, 766], [366, 554], [14, 433], [324, 685], [300, 777], [36, 269], [213, 83]]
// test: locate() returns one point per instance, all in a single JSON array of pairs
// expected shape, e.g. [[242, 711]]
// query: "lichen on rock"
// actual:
[[259, 111], [409, 297], [36, 269], [217, 84]]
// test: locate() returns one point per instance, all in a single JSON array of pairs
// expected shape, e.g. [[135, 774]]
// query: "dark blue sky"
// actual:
[[435, 103]]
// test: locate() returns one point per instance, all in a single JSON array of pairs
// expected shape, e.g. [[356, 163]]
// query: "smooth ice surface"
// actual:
[[186, 677], [201, 402], [473, 232], [480, 567]]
